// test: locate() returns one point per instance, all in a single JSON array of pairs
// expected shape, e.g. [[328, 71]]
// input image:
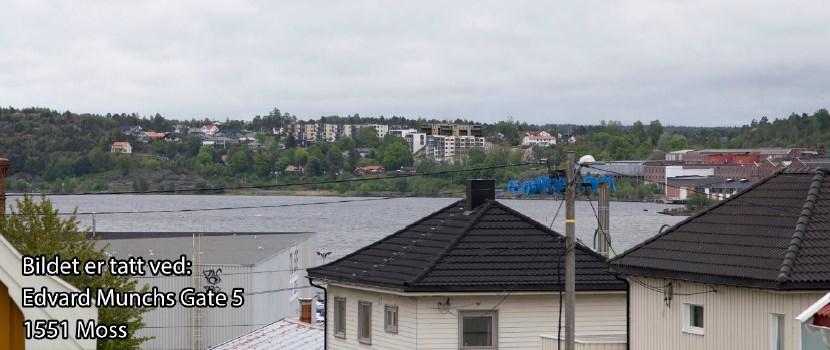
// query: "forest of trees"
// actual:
[[64, 152]]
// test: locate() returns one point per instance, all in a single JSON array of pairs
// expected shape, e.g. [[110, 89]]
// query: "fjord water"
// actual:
[[340, 227]]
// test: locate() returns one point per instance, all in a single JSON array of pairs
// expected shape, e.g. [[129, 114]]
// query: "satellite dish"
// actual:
[[587, 160]]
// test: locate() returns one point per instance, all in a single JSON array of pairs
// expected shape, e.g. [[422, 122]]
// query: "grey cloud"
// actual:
[[693, 63]]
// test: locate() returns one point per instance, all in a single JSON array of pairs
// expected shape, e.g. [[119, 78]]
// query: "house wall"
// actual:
[[423, 323], [407, 319], [734, 318], [12, 336]]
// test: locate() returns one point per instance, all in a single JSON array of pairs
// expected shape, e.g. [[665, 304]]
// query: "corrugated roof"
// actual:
[[283, 334], [775, 234], [490, 248], [229, 248]]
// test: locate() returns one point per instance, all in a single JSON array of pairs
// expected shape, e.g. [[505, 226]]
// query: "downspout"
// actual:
[[627, 312], [326, 308]]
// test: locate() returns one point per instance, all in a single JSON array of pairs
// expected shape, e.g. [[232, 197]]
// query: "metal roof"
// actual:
[[219, 248], [283, 334], [489, 248], [773, 235]]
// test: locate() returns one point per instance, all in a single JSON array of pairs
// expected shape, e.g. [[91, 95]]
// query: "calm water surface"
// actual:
[[340, 227]]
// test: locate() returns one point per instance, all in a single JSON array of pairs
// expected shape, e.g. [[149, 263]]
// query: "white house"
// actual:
[[538, 138], [269, 266], [736, 275], [12, 315], [473, 275], [210, 129], [121, 147]]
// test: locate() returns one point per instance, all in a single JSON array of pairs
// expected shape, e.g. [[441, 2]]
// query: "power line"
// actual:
[[611, 248], [327, 182]]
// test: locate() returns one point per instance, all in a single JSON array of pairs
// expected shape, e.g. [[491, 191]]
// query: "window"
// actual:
[[340, 317], [477, 329], [390, 318], [693, 319], [776, 332], [364, 322]]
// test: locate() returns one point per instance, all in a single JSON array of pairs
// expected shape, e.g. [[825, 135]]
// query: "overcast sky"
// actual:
[[685, 63]]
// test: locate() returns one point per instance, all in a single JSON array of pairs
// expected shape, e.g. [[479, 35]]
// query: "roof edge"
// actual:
[[614, 260], [801, 227], [731, 281], [416, 222]]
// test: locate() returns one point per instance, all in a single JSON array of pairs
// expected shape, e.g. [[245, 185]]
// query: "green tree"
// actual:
[[367, 137], [655, 129], [205, 155], [35, 228], [124, 165], [395, 156]]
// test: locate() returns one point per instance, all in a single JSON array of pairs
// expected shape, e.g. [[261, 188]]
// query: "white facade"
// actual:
[[11, 276], [382, 130], [678, 170], [541, 138], [454, 145], [417, 141], [734, 318], [431, 320]]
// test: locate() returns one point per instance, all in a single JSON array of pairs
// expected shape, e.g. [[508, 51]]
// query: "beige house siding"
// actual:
[[423, 323], [734, 318], [404, 339]]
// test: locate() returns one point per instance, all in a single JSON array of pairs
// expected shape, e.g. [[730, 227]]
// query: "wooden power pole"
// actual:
[[570, 257], [604, 234]]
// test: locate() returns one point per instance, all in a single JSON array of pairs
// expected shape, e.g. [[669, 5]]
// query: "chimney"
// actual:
[[305, 310], [4, 167], [479, 191]]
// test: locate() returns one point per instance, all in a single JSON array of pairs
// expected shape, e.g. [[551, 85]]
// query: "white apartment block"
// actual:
[[417, 141], [456, 145]]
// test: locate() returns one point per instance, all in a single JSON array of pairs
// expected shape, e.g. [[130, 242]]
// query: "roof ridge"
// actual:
[[555, 235], [801, 227], [671, 229], [452, 244]]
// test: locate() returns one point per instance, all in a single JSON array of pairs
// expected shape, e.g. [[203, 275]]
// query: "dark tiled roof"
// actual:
[[491, 248], [775, 234]]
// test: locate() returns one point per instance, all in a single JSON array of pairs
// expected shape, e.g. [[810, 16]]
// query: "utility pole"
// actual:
[[604, 236], [570, 256]]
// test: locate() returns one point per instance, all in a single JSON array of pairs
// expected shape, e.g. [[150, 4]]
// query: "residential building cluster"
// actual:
[[438, 141], [211, 134]]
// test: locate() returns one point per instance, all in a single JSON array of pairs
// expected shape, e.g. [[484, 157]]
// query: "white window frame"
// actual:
[[776, 322], [390, 318], [687, 320], [340, 324], [492, 313], [361, 326]]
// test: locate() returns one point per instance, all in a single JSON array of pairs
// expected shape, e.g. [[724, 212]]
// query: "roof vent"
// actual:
[[479, 191]]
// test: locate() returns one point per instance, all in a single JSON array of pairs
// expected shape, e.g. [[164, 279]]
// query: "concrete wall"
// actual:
[[425, 324], [734, 318]]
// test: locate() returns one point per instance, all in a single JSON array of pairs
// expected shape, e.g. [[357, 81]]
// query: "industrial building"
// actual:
[[270, 266]]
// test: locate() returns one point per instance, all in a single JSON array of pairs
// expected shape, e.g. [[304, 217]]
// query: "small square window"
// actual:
[[364, 322], [340, 317], [693, 319], [390, 318], [478, 330]]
